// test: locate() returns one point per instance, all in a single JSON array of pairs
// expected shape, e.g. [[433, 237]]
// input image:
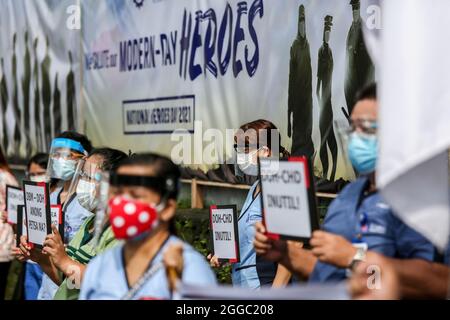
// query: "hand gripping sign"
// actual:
[[224, 233], [21, 223], [288, 198]]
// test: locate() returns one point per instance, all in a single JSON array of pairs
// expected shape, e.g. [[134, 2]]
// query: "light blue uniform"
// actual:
[[252, 271], [74, 217], [368, 219], [105, 277]]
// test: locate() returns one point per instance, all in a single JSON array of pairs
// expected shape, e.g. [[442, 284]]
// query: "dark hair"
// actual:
[[367, 93], [163, 168], [81, 138], [41, 159], [3, 164], [111, 157], [268, 126]]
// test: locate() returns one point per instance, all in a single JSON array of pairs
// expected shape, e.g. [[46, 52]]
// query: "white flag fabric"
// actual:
[[415, 115], [331, 291]]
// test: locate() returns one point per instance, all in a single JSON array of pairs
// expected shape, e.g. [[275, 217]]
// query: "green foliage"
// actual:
[[184, 203], [193, 227]]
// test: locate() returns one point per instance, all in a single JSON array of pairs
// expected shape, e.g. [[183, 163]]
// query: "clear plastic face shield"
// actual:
[[63, 159], [90, 184], [86, 183], [101, 214], [358, 140]]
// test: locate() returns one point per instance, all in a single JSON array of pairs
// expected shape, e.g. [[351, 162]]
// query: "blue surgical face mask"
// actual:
[[362, 152], [63, 169]]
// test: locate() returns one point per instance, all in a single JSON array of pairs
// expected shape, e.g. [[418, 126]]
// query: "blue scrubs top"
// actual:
[[252, 271], [368, 219], [105, 277], [74, 217]]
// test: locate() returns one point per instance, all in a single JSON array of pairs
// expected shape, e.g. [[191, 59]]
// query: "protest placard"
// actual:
[[57, 218], [37, 208], [14, 197], [224, 233], [288, 198]]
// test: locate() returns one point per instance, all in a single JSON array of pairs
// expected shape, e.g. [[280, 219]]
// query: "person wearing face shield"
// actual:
[[257, 139], [36, 172], [357, 220], [56, 258], [66, 151], [142, 205], [72, 260]]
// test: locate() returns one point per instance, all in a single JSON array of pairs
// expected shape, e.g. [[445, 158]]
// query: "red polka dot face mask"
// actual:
[[131, 218]]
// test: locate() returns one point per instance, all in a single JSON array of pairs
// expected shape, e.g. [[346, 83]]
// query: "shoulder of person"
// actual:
[[353, 186], [105, 258], [9, 178]]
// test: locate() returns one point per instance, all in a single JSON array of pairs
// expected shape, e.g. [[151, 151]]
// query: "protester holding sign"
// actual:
[[66, 151], [6, 231], [357, 220], [72, 261], [257, 139], [37, 167], [36, 170], [224, 233], [142, 207], [81, 249]]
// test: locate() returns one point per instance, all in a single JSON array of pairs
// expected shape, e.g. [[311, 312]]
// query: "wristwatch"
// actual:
[[359, 256]]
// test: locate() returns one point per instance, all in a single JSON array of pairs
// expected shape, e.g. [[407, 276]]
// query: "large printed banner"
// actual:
[[153, 66], [136, 71], [39, 74]]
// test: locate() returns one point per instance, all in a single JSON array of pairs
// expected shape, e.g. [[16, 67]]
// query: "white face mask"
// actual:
[[39, 178], [86, 195], [248, 162]]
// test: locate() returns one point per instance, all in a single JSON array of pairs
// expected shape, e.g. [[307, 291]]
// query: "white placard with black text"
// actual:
[[286, 198], [225, 239], [37, 209]]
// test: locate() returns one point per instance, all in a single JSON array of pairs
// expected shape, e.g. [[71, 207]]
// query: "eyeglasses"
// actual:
[[363, 125], [245, 148], [86, 176]]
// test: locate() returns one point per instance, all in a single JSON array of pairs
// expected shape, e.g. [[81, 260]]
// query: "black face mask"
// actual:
[[167, 186]]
